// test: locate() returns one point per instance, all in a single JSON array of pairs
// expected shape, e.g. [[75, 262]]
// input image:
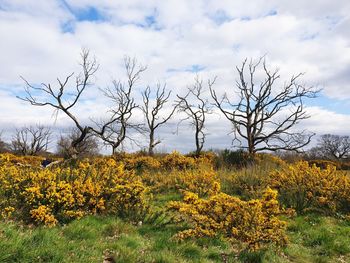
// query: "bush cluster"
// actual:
[[120, 185], [303, 187], [199, 180], [255, 223], [60, 194]]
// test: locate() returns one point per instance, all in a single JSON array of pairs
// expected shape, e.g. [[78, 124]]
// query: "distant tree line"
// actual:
[[263, 117]]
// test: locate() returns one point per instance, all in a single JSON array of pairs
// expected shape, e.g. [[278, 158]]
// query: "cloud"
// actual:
[[41, 41]]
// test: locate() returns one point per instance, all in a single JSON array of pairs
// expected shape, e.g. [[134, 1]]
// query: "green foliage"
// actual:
[[148, 237], [304, 188], [232, 159]]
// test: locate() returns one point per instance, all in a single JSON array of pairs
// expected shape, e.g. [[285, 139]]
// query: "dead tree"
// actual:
[[258, 118], [61, 99], [31, 140], [4, 146], [196, 107], [334, 146], [86, 148], [153, 112], [114, 130]]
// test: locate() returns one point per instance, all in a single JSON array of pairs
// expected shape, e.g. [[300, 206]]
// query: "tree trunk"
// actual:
[[151, 143], [198, 146]]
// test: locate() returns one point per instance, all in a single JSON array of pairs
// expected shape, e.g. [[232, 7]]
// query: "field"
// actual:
[[172, 208]]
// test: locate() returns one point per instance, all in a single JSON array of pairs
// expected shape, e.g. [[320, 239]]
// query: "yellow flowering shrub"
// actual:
[[254, 223], [266, 159], [43, 214], [205, 158], [198, 180], [62, 193], [142, 163], [175, 160], [303, 187], [21, 160], [172, 161], [324, 163]]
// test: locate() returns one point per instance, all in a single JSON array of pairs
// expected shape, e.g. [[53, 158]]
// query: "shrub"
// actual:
[[141, 163], [175, 160], [254, 223], [250, 182], [232, 159], [60, 194], [247, 183], [304, 187], [323, 164], [22, 160], [268, 161], [205, 158], [199, 180]]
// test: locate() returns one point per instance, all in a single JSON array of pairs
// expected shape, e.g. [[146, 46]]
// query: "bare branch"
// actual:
[[153, 111], [113, 131], [257, 116], [196, 108], [59, 98], [31, 140]]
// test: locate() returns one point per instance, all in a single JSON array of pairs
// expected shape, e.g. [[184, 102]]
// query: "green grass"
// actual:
[[319, 239], [87, 239], [313, 238]]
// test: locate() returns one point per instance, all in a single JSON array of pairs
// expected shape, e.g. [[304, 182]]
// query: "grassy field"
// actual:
[[312, 238]]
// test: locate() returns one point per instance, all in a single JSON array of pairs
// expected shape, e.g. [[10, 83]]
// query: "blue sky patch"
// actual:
[[220, 17], [88, 13], [272, 13], [195, 68], [150, 21], [335, 105], [68, 27]]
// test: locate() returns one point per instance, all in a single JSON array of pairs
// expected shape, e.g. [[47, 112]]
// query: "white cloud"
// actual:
[[297, 36]]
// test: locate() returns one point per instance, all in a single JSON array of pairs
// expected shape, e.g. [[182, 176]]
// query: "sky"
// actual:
[[176, 39]]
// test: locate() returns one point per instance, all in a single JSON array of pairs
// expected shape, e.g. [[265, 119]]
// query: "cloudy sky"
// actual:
[[176, 39]]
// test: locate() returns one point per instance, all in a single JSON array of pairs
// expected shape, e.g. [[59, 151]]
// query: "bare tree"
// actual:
[[86, 148], [257, 117], [4, 146], [152, 112], [115, 130], [61, 99], [196, 107], [334, 146], [31, 140]]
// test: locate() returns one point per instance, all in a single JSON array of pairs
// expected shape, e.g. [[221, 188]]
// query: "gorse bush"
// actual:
[[141, 163], [60, 194], [254, 223], [22, 160], [323, 164], [304, 187], [177, 161], [172, 161], [122, 186], [199, 180]]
